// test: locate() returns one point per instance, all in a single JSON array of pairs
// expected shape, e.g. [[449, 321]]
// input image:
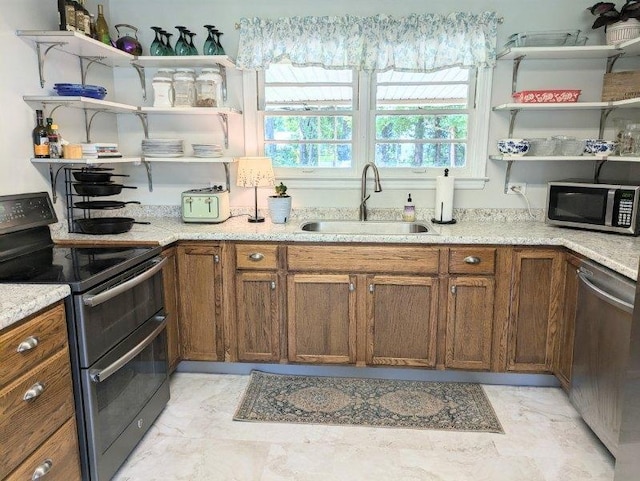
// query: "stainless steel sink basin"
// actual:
[[366, 227]]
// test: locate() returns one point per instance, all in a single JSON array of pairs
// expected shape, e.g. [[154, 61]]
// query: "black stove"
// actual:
[[28, 254]]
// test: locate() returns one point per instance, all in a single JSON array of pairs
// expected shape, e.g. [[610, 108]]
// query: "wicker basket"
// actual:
[[621, 86], [621, 31]]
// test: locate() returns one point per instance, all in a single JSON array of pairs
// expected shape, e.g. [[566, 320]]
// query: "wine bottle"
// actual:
[[55, 148], [102, 29], [40, 138]]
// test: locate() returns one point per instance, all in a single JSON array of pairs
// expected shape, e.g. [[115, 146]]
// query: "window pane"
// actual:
[[420, 154], [307, 127], [421, 127], [304, 155]]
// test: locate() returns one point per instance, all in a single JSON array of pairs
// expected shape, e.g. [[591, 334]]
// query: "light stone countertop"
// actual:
[[18, 301], [618, 252]]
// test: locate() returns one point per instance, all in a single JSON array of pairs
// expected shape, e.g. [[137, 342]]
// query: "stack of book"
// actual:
[[100, 150]]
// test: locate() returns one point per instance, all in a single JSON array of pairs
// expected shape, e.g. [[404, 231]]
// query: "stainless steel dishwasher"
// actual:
[[601, 349]]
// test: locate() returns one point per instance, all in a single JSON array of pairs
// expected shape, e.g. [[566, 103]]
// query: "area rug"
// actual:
[[448, 406]]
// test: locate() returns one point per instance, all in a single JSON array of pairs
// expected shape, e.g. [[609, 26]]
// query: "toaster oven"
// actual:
[[208, 205]]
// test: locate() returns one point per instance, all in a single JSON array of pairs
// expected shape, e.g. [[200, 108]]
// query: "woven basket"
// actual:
[[621, 31], [621, 86]]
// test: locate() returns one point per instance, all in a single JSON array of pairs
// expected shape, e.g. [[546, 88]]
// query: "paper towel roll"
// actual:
[[444, 198]]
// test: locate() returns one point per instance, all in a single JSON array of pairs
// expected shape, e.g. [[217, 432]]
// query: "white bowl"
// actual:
[[516, 147], [600, 146]]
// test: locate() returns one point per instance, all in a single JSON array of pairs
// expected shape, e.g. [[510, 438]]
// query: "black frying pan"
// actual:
[[99, 188], [91, 176], [103, 204], [106, 225]]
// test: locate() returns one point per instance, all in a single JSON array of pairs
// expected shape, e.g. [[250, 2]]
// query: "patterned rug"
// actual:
[[367, 402]]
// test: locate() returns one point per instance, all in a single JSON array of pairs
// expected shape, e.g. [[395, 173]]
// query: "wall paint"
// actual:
[[173, 178]]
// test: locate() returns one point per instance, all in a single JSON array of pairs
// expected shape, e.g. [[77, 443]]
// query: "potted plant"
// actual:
[[619, 25], [279, 205]]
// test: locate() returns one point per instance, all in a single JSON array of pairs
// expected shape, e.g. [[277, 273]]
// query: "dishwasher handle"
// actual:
[[604, 295]]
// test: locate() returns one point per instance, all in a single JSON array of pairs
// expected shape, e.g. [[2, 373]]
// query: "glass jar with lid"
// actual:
[[163, 94], [209, 88], [184, 90], [630, 140]]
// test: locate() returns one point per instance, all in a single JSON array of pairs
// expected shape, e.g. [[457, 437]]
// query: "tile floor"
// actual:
[[196, 439]]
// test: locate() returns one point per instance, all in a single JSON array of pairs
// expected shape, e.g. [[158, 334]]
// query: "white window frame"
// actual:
[[364, 140]]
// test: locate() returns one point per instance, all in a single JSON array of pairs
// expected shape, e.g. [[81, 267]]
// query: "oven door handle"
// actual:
[[97, 299], [99, 375], [604, 295]]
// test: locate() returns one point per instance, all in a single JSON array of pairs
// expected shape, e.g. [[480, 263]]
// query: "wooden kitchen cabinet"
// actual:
[[37, 418], [563, 358], [258, 298], [201, 301], [536, 309], [402, 313], [170, 291], [475, 311], [321, 318]]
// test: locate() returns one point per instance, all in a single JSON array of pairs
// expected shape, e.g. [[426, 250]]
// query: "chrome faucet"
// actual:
[[363, 188]]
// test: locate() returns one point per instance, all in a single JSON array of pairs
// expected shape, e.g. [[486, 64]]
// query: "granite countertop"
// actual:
[[618, 252], [22, 300]]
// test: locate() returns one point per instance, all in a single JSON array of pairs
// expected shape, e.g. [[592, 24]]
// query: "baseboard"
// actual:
[[409, 374]]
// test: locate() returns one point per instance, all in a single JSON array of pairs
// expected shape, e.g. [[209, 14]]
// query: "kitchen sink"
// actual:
[[367, 227]]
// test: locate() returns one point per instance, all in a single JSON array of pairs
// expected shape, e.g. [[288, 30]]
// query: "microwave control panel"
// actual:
[[624, 203]]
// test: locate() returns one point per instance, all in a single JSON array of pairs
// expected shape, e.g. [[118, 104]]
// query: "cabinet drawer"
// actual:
[[58, 454], [472, 260], [388, 259], [25, 424], [27, 344], [257, 256]]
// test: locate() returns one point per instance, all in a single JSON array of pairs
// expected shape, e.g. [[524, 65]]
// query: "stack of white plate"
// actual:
[[162, 147], [207, 150]]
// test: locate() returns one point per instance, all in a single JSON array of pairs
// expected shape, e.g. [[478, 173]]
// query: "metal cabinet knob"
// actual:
[[273, 285], [29, 343], [352, 287], [42, 470], [33, 392], [472, 260], [371, 288], [216, 259], [453, 290], [256, 257]]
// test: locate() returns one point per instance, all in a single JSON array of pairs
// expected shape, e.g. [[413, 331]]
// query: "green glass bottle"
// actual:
[[102, 29]]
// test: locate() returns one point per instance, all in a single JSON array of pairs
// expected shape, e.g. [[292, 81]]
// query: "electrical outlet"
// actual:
[[514, 187]]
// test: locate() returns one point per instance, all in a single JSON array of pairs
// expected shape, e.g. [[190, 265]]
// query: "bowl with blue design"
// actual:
[[600, 147], [513, 147]]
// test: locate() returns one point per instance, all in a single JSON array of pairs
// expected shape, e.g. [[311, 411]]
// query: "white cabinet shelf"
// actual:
[[190, 110], [193, 61], [563, 158], [81, 103], [110, 160], [187, 159], [629, 47]]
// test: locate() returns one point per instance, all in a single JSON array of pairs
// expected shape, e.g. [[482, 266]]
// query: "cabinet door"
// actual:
[[469, 322], [258, 316], [170, 284], [200, 302], [401, 320], [321, 318], [566, 329], [536, 307]]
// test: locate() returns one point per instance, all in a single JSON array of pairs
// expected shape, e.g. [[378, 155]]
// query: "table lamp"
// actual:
[[255, 172]]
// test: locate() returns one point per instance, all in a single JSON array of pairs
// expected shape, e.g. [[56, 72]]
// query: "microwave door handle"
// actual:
[[97, 299], [608, 215], [99, 375], [604, 295]]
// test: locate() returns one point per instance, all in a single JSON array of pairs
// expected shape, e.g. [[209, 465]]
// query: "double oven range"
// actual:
[[116, 324]]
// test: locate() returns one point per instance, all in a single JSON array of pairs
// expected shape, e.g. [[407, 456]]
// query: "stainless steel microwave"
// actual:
[[609, 207]]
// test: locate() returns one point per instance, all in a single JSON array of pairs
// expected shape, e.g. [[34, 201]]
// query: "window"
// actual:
[[308, 117], [321, 123]]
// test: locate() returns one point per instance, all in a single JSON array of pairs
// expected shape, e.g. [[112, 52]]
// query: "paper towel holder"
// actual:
[[443, 222]]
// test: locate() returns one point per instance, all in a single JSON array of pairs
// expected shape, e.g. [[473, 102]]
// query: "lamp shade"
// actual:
[[255, 172]]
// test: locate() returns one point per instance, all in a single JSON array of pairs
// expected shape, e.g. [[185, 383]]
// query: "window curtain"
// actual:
[[417, 43]]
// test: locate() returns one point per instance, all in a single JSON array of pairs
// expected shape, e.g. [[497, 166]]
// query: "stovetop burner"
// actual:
[[81, 268]]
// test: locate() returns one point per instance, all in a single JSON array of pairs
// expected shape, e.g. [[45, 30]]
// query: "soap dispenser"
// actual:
[[409, 212]]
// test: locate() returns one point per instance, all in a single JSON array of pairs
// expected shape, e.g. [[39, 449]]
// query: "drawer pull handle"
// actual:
[[42, 470], [28, 344], [256, 257], [33, 392], [472, 260]]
